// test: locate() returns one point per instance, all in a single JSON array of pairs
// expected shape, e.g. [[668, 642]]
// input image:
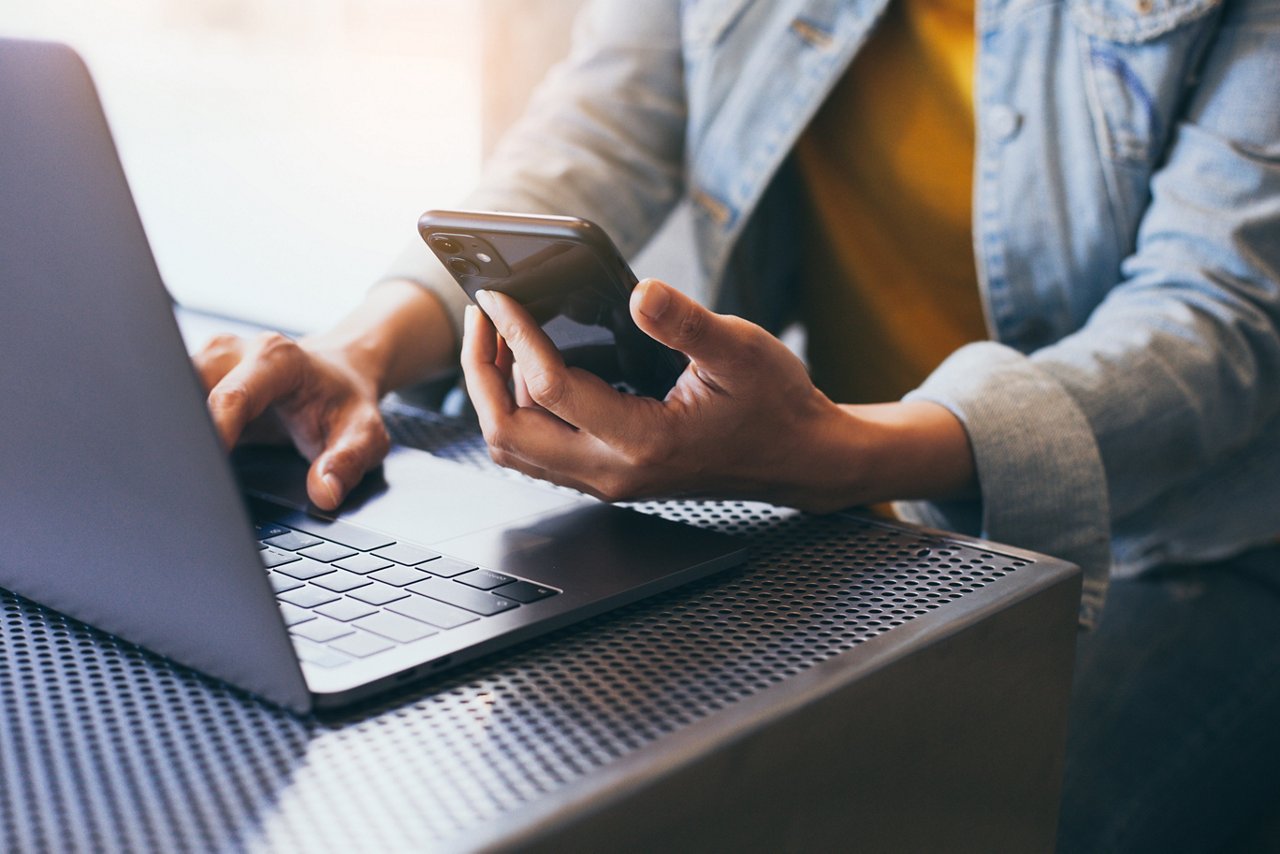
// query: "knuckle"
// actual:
[[547, 388], [273, 346], [229, 397], [370, 441], [222, 344], [515, 336], [693, 326], [346, 459], [499, 440], [380, 439], [750, 343]]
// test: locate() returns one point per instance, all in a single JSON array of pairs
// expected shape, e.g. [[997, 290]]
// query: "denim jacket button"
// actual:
[[1004, 122]]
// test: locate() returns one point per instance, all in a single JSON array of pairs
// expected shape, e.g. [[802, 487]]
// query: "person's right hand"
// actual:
[[275, 389]]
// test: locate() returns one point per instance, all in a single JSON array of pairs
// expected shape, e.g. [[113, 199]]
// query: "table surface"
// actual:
[[104, 746]]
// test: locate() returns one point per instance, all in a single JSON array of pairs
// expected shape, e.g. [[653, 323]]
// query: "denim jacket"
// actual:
[[1126, 410]]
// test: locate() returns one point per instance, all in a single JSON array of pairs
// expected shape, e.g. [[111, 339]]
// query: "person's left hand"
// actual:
[[743, 420]]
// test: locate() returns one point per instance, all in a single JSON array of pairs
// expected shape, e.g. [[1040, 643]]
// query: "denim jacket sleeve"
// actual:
[[1176, 370], [603, 138]]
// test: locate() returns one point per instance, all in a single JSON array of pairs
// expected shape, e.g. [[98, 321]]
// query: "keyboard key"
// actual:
[[406, 554], [361, 644], [291, 541], [395, 627], [398, 576], [454, 593], [314, 653], [266, 530], [447, 567], [346, 610], [362, 564], [378, 593], [341, 581], [342, 533], [431, 611], [275, 557], [307, 597], [327, 552], [293, 614], [484, 579], [527, 591], [305, 568], [321, 629], [281, 582]]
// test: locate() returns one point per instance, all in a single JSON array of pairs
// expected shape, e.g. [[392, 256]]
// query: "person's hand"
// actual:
[[743, 420], [275, 389]]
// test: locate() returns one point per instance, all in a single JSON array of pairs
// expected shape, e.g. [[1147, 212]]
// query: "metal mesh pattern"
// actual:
[[105, 747]]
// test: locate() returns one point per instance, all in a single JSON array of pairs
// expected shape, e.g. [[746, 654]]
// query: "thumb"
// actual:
[[354, 451], [674, 319]]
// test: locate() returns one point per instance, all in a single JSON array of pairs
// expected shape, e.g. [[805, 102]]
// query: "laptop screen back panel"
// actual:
[[117, 506]]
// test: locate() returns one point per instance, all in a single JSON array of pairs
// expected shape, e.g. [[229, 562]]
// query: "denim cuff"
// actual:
[[1040, 473]]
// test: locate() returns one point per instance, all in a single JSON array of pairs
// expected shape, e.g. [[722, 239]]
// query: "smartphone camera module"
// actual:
[[462, 267], [447, 245], [468, 255]]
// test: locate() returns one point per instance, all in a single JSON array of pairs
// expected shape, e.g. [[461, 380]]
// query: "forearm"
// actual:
[[398, 336]]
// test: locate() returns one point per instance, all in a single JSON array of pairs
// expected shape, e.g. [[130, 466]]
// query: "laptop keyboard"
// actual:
[[347, 593]]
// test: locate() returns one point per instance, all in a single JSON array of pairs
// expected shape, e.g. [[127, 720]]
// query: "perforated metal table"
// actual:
[[856, 685]]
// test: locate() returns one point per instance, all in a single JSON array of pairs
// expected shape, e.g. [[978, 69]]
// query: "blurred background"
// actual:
[[280, 151]]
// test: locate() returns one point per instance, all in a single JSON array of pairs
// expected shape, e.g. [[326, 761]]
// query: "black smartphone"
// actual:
[[567, 273]]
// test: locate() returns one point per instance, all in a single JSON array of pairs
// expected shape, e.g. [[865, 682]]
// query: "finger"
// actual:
[[715, 342], [537, 443], [218, 356], [355, 446], [505, 359], [526, 439], [521, 391], [486, 383], [270, 370], [574, 395], [560, 478]]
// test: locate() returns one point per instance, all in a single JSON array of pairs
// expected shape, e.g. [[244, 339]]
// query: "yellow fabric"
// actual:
[[891, 287]]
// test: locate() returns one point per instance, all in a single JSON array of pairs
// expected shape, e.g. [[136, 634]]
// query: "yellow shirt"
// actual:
[[891, 287]]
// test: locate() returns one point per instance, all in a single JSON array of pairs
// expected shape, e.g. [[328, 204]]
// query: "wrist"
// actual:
[[398, 336], [869, 454], [913, 450]]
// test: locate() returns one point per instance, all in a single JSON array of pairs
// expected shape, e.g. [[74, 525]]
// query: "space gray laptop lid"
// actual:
[[90, 387], [117, 503]]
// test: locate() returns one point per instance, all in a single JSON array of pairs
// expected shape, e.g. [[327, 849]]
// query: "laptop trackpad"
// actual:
[[412, 496]]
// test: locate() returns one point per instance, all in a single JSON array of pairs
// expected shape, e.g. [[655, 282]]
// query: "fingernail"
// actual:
[[334, 486], [468, 317], [654, 299], [485, 299]]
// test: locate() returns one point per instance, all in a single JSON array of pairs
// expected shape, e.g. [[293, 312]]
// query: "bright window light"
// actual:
[[280, 151]]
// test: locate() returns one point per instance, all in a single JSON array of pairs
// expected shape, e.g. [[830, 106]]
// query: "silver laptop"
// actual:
[[119, 507]]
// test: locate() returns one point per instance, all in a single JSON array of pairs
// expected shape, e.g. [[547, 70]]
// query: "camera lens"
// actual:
[[463, 267], [447, 245]]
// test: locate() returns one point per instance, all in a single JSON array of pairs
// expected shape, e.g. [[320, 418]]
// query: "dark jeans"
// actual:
[[1174, 741]]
